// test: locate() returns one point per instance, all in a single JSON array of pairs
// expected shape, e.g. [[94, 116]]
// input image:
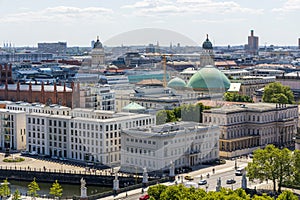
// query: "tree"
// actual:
[[16, 195], [156, 190], [236, 97], [296, 167], [287, 195], [4, 189], [278, 93], [270, 164], [33, 187], [56, 189]]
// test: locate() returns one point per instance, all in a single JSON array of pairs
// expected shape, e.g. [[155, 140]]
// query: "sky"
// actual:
[[78, 22]]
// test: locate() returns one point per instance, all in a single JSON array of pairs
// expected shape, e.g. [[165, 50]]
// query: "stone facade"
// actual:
[[247, 127]]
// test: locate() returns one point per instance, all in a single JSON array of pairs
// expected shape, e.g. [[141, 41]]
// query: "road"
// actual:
[[225, 171]]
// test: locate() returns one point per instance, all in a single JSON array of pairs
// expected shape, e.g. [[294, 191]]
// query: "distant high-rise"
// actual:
[[57, 48], [252, 46], [299, 43]]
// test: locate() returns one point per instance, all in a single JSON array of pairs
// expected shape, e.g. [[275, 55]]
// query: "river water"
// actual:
[[68, 189]]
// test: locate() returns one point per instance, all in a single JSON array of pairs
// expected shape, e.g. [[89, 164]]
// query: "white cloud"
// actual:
[[289, 6], [219, 21], [60, 13], [175, 7]]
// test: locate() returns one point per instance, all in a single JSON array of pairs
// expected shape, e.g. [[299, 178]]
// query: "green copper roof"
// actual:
[[134, 106], [176, 83], [208, 78], [207, 44]]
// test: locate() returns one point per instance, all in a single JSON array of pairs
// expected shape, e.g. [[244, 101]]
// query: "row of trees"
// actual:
[[187, 112], [56, 190], [236, 97], [180, 192], [278, 165]]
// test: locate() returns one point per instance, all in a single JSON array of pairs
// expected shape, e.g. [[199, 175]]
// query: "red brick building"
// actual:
[[46, 94]]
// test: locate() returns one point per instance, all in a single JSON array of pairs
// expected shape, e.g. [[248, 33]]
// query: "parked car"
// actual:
[[23, 153], [33, 153], [144, 197], [202, 182], [189, 177], [230, 181]]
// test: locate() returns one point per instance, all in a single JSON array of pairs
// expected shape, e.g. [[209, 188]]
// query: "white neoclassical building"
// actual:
[[246, 127], [183, 143]]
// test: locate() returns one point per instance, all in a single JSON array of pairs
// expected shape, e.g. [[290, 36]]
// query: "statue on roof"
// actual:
[[98, 44]]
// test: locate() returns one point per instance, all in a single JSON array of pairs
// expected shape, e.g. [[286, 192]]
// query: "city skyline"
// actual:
[[79, 22]]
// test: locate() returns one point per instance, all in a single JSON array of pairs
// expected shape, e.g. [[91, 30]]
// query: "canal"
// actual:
[[69, 190]]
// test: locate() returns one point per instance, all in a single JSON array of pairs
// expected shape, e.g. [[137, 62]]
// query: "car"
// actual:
[[144, 197], [250, 155], [189, 177], [63, 159], [23, 153], [202, 182], [230, 181], [220, 161], [33, 153]]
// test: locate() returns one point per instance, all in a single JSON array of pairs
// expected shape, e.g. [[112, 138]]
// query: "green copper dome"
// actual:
[[209, 78], [207, 44], [176, 83], [133, 107]]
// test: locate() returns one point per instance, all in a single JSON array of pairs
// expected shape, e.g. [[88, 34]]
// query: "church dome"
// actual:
[[207, 44], [98, 44], [176, 83], [209, 78]]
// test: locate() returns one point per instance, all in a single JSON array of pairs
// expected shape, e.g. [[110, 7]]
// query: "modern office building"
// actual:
[[85, 135], [97, 96], [185, 144], [246, 127], [12, 130], [56, 48], [25, 57]]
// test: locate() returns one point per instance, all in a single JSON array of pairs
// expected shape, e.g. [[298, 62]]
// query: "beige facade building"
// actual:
[[97, 54], [247, 127]]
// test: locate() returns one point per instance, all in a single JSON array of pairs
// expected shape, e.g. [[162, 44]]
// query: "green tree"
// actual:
[[236, 97], [156, 190], [56, 190], [278, 93], [4, 189], [270, 164], [287, 195], [296, 167], [17, 195], [33, 188]]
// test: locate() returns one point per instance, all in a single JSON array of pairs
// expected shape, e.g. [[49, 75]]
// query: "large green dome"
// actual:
[[176, 83], [209, 78]]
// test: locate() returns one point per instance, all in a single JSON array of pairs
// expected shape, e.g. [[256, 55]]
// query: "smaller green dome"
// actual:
[[133, 107], [176, 83], [207, 44]]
